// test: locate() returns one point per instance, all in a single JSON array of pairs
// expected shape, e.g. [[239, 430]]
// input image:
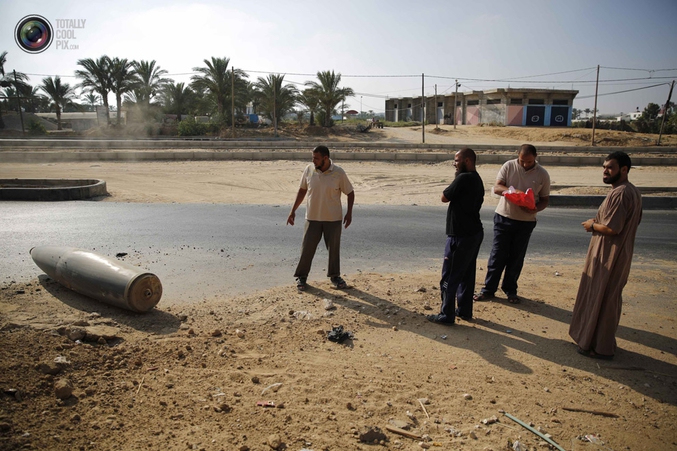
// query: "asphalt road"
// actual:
[[200, 251]]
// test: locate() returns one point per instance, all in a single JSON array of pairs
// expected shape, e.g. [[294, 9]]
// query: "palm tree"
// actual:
[[149, 81], [310, 99], [15, 82], [274, 99], [216, 81], [329, 93], [95, 77], [177, 98], [92, 99], [32, 94], [122, 81], [61, 94]]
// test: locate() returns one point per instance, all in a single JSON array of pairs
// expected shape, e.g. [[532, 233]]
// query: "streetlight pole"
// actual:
[[360, 107]]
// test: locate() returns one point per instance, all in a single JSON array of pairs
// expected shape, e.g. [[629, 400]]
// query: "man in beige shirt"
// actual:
[[513, 224], [324, 182]]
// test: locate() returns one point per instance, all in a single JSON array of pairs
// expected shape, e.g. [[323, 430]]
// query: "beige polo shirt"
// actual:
[[514, 175], [324, 192]]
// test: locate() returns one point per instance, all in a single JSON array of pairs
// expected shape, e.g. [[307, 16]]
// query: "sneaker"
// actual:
[[439, 319]]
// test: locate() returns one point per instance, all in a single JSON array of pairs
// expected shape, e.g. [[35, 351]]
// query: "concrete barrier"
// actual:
[[489, 158], [51, 189]]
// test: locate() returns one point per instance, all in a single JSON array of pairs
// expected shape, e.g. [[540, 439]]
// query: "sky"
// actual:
[[381, 48]]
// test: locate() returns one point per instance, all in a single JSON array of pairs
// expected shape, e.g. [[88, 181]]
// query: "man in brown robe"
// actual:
[[597, 311]]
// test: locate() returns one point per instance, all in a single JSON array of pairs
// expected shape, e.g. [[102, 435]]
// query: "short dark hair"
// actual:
[[528, 148], [322, 150], [467, 152], [622, 158]]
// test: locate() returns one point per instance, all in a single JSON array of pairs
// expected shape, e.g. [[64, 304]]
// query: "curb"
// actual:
[[51, 189], [428, 157]]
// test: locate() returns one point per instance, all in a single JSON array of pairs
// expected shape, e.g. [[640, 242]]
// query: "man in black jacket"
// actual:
[[464, 237]]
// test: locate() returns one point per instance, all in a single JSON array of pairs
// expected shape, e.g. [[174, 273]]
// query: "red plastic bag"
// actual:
[[521, 199]]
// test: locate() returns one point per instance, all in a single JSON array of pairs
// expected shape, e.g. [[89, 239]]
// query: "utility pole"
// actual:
[[594, 111], [18, 99], [665, 113], [423, 107], [275, 107], [232, 101], [437, 119], [455, 95]]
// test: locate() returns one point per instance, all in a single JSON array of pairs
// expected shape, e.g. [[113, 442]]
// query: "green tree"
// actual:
[[177, 99], [329, 93], [31, 96], [92, 99], [274, 99], [122, 81], [215, 82], [14, 82], [310, 99], [149, 81], [95, 75], [60, 93]]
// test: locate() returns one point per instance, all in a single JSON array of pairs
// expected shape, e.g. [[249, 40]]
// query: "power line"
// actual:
[[620, 92]]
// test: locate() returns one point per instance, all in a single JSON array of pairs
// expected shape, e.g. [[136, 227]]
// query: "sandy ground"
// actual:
[[193, 376]]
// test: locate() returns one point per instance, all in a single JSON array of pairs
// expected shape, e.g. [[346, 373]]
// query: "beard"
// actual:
[[610, 180], [461, 168]]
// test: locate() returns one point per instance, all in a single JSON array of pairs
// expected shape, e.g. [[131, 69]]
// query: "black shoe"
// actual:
[[439, 319], [464, 318]]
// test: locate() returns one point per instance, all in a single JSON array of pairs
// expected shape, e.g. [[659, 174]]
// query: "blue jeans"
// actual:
[[458, 275], [511, 239]]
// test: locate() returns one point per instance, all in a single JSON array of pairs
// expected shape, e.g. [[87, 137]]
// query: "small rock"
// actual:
[[63, 389], [255, 379], [400, 424], [421, 290], [328, 304], [472, 435], [491, 420], [424, 401], [546, 389], [467, 396], [427, 307], [424, 445], [76, 333], [48, 368], [372, 434], [239, 333], [216, 333], [274, 441], [395, 328]]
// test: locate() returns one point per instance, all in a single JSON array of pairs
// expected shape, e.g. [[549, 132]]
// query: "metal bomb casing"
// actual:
[[105, 279]]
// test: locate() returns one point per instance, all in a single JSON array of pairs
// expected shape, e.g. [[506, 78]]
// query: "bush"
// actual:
[[189, 127], [36, 128], [319, 119]]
